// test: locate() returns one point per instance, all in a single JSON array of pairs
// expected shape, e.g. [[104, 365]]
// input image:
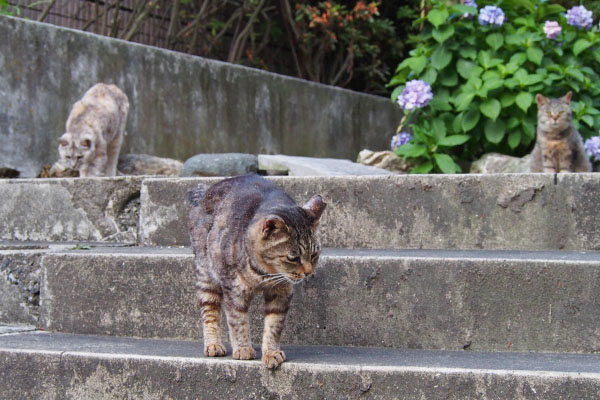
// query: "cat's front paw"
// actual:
[[273, 358], [214, 350], [244, 353]]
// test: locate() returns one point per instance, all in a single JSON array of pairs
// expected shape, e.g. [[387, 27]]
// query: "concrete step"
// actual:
[[509, 211], [512, 212], [432, 299], [80, 366], [70, 209]]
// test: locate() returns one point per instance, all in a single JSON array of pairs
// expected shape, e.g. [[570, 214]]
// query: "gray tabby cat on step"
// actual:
[[95, 131], [249, 236], [558, 147]]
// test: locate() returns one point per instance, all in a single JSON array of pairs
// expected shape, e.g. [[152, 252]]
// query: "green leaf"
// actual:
[[457, 122], [514, 138], [462, 9], [535, 55], [397, 91], [493, 83], [439, 104], [440, 58], [495, 40], [470, 119], [529, 129], [575, 73], [446, 164], [437, 17], [417, 64], [524, 100], [507, 99], [494, 131], [513, 122], [424, 168], [430, 75], [491, 108], [454, 140], [439, 129], [518, 58], [463, 101], [464, 67], [448, 77], [532, 79], [468, 52], [442, 34], [410, 150], [589, 120], [580, 45]]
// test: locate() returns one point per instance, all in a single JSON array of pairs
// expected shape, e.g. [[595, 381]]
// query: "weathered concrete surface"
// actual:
[[513, 211], [180, 105], [76, 367], [313, 166], [442, 299], [19, 286], [85, 209]]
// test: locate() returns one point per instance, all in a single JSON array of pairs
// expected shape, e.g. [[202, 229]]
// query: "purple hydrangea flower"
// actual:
[[469, 3], [416, 94], [580, 17], [491, 15], [400, 139], [592, 147], [552, 29]]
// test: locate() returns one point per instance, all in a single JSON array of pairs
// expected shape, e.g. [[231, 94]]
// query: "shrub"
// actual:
[[485, 67]]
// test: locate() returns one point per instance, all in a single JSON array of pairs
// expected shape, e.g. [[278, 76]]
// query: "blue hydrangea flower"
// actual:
[[416, 94], [491, 15], [592, 147], [400, 139], [552, 29], [580, 17], [469, 3]]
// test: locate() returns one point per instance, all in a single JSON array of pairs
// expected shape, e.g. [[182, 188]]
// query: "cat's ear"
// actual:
[[273, 224], [541, 100], [567, 98], [315, 206]]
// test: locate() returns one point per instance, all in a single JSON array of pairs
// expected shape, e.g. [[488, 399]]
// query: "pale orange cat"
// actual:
[[95, 131]]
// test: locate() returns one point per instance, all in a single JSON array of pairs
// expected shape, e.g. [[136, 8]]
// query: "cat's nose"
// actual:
[[307, 269]]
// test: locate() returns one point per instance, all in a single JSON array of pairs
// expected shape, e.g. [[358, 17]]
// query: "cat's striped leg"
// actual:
[[209, 296], [277, 303], [237, 302]]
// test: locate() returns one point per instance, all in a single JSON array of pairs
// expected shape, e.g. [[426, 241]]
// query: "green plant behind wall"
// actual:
[[485, 73]]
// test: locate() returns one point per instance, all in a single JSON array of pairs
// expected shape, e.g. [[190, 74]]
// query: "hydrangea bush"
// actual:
[[484, 67]]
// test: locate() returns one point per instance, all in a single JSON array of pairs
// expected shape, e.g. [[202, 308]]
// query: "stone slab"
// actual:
[[19, 287], [509, 211], [430, 299], [77, 366], [313, 166], [181, 105], [69, 209]]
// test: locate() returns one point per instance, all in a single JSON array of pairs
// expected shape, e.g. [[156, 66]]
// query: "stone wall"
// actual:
[[180, 105]]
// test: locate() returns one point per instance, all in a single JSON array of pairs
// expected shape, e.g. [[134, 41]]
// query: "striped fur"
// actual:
[[248, 236], [559, 147]]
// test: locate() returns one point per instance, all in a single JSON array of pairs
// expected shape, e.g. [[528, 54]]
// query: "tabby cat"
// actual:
[[559, 147], [95, 131], [249, 236]]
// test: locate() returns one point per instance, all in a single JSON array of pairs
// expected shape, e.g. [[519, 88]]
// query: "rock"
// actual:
[[222, 164], [386, 160], [144, 164], [312, 166], [494, 163]]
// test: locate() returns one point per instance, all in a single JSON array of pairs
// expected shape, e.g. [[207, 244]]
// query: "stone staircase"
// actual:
[[430, 287]]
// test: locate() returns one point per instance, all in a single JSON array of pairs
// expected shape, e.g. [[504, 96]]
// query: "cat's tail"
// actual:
[[195, 195], [198, 221]]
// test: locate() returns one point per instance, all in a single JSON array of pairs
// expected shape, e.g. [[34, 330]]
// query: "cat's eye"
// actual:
[[68, 157], [293, 259]]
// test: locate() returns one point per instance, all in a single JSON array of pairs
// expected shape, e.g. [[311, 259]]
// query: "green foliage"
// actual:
[[429, 143], [485, 78]]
